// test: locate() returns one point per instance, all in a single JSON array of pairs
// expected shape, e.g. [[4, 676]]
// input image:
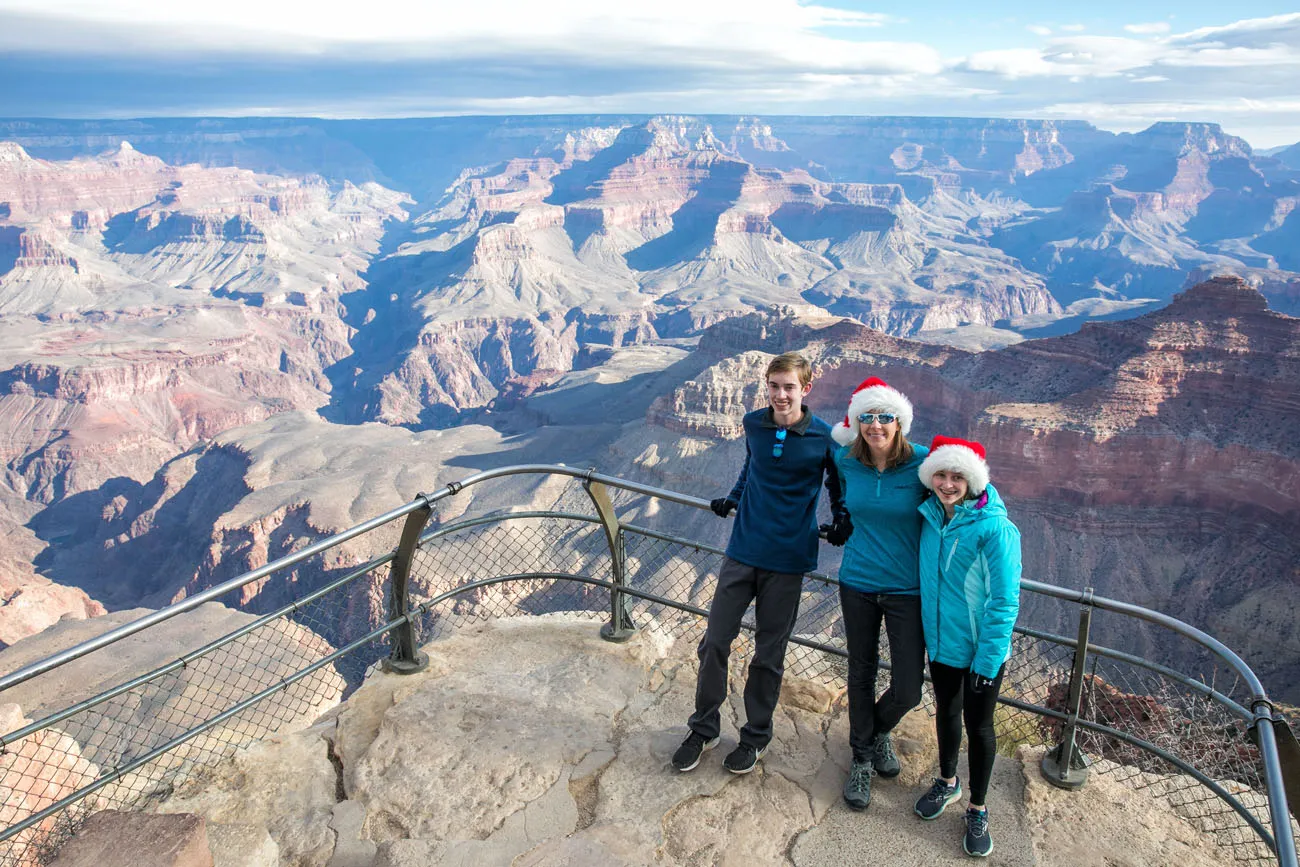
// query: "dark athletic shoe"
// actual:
[[688, 754], [743, 759], [978, 843], [857, 788], [933, 802], [883, 757]]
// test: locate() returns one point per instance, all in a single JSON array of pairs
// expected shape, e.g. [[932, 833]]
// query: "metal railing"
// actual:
[[1197, 730]]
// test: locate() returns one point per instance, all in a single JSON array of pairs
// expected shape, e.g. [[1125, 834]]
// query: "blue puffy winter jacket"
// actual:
[[970, 583]]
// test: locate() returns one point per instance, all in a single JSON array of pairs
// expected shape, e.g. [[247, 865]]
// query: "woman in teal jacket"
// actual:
[[970, 596], [878, 578]]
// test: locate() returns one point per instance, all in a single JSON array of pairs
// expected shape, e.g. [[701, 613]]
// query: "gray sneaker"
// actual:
[[933, 802], [857, 788], [978, 843], [883, 757]]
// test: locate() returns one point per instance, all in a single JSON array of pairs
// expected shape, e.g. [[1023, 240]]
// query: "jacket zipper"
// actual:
[[938, 597]]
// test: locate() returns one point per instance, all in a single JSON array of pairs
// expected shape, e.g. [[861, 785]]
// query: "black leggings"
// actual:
[[954, 700]]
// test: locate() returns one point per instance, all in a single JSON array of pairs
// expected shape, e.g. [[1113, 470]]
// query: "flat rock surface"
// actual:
[[533, 742], [111, 838]]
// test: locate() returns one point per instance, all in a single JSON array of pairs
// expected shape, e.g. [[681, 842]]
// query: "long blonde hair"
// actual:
[[900, 452]]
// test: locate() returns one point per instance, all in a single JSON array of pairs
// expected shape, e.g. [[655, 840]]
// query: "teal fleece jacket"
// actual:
[[970, 583], [881, 555]]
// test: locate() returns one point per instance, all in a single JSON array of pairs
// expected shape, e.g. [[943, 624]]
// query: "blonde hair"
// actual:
[[791, 361], [900, 451]]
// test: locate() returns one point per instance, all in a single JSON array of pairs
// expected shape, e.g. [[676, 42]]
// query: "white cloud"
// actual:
[[725, 56], [1008, 62], [444, 23], [1096, 56], [1249, 31], [1152, 28], [722, 34]]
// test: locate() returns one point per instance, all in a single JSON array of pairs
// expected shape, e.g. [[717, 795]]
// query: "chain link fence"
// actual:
[[1153, 728], [129, 746]]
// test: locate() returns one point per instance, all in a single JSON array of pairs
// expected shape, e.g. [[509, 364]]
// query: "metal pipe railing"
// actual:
[[402, 615], [128, 629]]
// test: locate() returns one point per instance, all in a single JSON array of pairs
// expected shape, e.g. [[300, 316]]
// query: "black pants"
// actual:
[[776, 605], [954, 700], [863, 614]]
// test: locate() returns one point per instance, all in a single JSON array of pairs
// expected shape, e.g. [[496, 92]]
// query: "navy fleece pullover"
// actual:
[[776, 515]]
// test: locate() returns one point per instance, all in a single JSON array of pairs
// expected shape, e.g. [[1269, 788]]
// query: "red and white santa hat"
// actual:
[[959, 456], [873, 394]]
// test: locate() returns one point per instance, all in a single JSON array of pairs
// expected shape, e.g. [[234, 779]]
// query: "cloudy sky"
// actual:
[[1120, 65]]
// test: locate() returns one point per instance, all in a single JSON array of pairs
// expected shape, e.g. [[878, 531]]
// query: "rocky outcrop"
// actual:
[[36, 772], [564, 758], [111, 838], [33, 605], [1151, 827], [40, 769]]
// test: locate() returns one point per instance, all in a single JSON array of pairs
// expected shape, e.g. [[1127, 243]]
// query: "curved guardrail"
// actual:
[[1206, 741]]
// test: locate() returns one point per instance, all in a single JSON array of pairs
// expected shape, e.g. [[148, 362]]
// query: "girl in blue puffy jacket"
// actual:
[[970, 596]]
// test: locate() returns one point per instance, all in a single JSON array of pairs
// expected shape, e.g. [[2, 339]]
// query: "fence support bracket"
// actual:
[[405, 658], [1065, 766], [620, 627]]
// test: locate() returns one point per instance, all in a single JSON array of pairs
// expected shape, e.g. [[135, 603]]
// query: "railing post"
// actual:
[[405, 658], [1064, 766], [620, 626], [1277, 746]]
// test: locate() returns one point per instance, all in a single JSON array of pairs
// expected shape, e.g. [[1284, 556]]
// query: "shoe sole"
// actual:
[[708, 745], [757, 756], [977, 854], [956, 796]]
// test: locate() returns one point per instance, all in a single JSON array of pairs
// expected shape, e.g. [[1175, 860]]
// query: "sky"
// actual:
[[1121, 66]]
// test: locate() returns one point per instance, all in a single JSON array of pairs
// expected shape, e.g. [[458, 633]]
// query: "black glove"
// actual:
[[722, 506], [838, 533], [979, 683]]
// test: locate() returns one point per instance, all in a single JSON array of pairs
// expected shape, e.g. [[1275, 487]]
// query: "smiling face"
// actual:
[[878, 437], [785, 393], [950, 487]]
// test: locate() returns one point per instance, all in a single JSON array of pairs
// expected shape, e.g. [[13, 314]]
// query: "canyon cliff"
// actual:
[[1147, 458], [199, 332], [1151, 459]]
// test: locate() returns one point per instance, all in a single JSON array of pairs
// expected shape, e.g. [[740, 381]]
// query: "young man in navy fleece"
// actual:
[[788, 454]]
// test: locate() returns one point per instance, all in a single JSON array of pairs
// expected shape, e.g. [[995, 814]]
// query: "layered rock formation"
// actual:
[[1150, 459], [664, 230], [147, 308], [150, 307], [1145, 458]]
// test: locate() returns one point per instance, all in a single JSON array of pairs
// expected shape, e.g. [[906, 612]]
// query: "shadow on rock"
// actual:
[[128, 544]]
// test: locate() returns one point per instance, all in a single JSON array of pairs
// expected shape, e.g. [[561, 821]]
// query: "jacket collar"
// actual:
[[800, 427], [987, 506]]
